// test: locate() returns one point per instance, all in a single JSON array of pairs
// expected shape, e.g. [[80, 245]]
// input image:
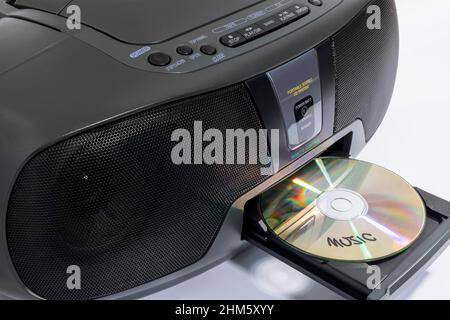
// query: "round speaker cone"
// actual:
[[345, 210]]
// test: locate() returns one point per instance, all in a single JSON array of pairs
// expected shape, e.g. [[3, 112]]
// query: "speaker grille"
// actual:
[[111, 202], [366, 65]]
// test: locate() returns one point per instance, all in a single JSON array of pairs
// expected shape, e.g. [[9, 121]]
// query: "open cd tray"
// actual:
[[351, 279]]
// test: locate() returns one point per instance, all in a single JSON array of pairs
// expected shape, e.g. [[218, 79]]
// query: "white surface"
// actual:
[[414, 141]]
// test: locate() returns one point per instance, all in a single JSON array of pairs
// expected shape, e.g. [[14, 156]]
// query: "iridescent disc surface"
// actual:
[[345, 210]]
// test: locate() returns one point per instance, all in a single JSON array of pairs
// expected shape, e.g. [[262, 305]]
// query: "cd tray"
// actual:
[[350, 279]]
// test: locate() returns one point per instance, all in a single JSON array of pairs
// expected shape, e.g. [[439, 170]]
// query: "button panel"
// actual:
[[299, 93], [265, 26], [217, 42]]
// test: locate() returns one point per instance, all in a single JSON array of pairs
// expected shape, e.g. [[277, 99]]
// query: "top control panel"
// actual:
[[224, 39], [266, 25]]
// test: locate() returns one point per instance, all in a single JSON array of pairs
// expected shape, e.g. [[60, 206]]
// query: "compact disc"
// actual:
[[345, 210]]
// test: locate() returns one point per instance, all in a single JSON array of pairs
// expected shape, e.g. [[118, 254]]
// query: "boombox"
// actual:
[[93, 93]]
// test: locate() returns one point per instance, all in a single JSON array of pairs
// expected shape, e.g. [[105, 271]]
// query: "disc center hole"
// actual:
[[341, 204]]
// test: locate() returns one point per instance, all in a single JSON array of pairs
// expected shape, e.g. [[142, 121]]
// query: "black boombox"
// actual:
[[91, 93]]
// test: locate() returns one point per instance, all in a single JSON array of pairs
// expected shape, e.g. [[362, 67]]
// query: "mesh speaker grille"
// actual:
[[111, 201], [366, 65]]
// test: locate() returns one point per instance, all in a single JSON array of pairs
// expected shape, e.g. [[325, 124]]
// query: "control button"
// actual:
[[159, 59], [316, 3], [300, 10], [302, 107], [286, 16], [270, 24], [252, 31], [185, 50], [233, 40], [209, 50]]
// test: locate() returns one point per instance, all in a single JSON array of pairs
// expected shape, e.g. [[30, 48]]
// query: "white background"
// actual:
[[414, 141]]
